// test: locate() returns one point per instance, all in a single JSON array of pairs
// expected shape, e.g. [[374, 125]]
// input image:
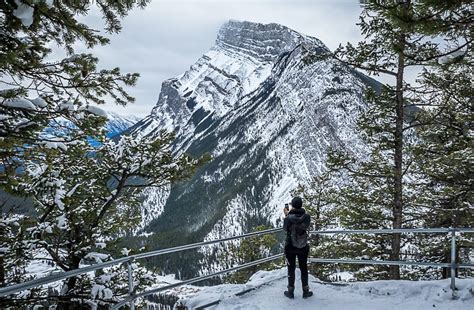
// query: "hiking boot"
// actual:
[[306, 292], [290, 293]]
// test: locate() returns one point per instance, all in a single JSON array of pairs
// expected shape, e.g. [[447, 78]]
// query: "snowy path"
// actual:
[[386, 295]]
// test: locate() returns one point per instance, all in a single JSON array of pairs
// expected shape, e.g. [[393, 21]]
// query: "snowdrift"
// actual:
[[265, 291]]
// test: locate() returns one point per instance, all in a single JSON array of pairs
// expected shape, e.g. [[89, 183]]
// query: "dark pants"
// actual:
[[291, 253]]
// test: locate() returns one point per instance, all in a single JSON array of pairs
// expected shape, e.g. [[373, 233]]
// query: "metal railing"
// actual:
[[132, 295], [5, 291], [131, 298], [452, 265]]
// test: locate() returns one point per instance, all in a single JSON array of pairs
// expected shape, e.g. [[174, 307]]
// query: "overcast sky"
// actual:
[[168, 36]]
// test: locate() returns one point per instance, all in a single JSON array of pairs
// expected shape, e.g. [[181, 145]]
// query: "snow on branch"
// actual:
[[20, 103]]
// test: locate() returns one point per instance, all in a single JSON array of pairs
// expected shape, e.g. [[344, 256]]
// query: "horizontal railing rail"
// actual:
[[386, 262], [194, 280], [373, 262], [4, 291], [200, 244], [394, 231], [452, 265], [129, 259]]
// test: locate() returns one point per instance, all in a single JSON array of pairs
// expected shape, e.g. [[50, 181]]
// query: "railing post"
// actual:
[[130, 283], [453, 262]]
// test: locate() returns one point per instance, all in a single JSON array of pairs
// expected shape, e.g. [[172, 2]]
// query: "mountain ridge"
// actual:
[[264, 141]]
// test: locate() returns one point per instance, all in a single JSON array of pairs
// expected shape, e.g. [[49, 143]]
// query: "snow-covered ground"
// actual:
[[386, 295]]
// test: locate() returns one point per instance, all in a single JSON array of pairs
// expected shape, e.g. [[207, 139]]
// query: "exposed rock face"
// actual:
[[267, 103], [241, 59], [262, 42]]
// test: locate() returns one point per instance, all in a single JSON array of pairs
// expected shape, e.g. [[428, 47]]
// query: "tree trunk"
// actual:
[[398, 164], [64, 301], [2, 271]]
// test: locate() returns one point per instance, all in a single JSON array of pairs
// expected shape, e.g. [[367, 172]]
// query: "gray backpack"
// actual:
[[298, 235]]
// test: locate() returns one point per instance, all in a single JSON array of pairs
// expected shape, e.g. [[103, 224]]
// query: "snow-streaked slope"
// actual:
[[375, 295], [237, 65], [266, 102]]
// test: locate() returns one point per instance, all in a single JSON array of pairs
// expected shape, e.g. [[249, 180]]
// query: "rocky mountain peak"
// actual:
[[264, 42], [268, 112], [243, 57]]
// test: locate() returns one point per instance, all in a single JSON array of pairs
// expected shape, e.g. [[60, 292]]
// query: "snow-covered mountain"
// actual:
[[117, 124], [267, 102]]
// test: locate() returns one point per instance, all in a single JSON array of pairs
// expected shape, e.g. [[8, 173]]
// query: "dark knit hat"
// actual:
[[297, 202]]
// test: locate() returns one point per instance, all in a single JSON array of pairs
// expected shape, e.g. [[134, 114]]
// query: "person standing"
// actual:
[[296, 224]]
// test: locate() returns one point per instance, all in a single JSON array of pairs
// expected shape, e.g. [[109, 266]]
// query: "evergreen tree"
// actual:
[[89, 196], [444, 161], [381, 189], [375, 192], [86, 196], [27, 69], [444, 145], [444, 151]]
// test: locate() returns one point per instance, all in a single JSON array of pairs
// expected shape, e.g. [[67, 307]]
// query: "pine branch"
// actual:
[[420, 61]]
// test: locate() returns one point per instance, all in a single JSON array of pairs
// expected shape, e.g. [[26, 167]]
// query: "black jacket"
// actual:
[[295, 216]]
